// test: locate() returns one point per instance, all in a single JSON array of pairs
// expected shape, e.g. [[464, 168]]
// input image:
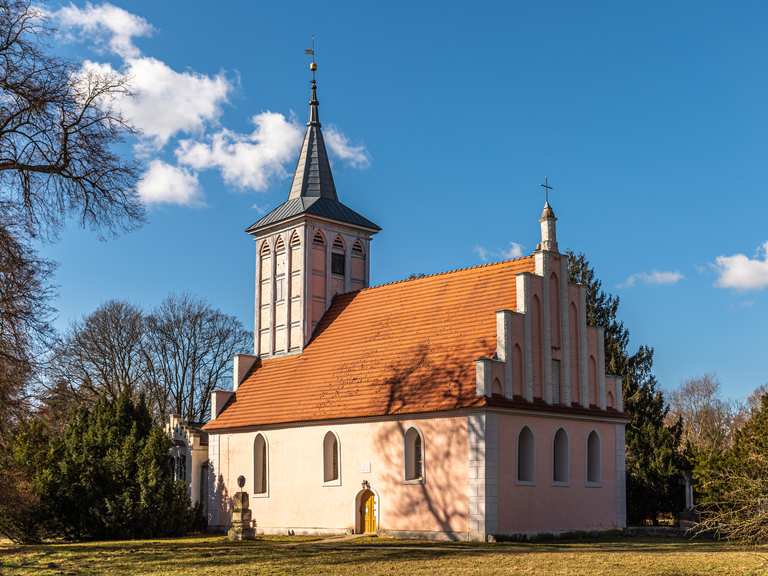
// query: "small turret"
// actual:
[[548, 223]]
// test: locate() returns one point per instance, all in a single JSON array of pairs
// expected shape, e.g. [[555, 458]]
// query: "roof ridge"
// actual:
[[442, 273]]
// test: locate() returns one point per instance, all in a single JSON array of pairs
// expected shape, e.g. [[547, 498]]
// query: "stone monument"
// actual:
[[242, 526]]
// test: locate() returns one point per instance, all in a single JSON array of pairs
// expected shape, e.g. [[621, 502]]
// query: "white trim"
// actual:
[[565, 332], [620, 477], [583, 352]]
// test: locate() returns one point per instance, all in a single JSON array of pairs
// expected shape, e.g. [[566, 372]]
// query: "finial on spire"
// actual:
[[314, 115]]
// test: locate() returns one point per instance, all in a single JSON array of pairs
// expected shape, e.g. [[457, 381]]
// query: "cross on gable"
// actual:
[[547, 188]]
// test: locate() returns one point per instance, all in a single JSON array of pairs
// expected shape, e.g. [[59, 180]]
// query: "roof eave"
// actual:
[[253, 229]]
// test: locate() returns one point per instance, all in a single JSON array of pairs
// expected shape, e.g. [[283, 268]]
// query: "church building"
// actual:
[[464, 405]]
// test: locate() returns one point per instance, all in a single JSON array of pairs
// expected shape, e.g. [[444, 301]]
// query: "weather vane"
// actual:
[[311, 52], [547, 188]]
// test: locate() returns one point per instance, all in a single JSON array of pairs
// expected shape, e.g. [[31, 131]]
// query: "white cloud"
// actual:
[[164, 102], [105, 21], [652, 277], [481, 252], [742, 272], [163, 183], [514, 250], [246, 160], [355, 156]]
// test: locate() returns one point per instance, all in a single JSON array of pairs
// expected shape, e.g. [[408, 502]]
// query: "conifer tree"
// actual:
[[653, 462], [106, 475]]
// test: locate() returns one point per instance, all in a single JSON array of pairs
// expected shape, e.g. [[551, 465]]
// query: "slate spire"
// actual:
[[313, 178]]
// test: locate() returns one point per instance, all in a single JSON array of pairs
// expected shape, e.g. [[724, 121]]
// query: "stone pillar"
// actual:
[[523, 286], [242, 527], [583, 368], [483, 475], [504, 347], [621, 470], [565, 336], [600, 367], [543, 268]]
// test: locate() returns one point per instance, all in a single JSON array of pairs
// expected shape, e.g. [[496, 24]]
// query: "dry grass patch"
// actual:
[[372, 557]]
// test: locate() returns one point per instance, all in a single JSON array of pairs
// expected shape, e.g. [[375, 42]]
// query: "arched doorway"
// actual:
[[366, 512]]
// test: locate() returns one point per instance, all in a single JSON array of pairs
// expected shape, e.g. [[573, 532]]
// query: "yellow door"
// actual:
[[368, 512]]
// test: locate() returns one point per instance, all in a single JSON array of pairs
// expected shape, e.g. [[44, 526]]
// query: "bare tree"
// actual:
[[190, 350], [58, 129], [707, 418], [24, 322], [103, 355], [739, 508]]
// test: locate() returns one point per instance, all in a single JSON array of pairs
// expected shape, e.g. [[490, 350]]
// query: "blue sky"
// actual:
[[649, 119]]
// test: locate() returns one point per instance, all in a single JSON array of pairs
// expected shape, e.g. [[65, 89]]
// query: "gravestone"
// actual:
[[242, 525]]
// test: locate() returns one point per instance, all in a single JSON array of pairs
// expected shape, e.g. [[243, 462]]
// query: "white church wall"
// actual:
[[298, 499]]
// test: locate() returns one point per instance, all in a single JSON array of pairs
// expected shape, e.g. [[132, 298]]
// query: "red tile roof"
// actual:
[[401, 348]]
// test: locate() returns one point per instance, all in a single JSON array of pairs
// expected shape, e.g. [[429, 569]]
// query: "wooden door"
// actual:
[[368, 512]]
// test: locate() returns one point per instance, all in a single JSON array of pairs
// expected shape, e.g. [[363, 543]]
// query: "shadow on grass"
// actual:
[[187, 555]]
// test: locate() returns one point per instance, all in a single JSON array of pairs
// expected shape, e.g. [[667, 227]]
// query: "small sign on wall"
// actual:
[[365, 468]]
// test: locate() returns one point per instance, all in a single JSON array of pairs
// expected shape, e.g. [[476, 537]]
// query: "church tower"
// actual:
[[308, 249]]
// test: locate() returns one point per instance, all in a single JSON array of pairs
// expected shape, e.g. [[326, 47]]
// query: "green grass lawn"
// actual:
[[374, 556]]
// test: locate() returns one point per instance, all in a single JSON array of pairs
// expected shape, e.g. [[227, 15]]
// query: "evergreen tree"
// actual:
[[736, 501], [653, 462], [107, 475]]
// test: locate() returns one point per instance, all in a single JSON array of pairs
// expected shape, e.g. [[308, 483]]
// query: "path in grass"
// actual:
[[374, 557]]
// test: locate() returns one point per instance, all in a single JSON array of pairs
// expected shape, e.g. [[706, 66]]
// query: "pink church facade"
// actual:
[[467, 405]]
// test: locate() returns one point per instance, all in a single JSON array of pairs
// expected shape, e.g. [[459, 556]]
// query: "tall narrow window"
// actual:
[[498, 389], [560, 464], [260, 465], [525, 455], [414, 461], [593, 458], [330, 457]]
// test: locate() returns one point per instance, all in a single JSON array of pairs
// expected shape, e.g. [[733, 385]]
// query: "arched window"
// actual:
[[295, 240], [593, 458], [357, 249], [560, 468], [525, 455], [330, 457], [497, 389], [259, 465], [414, 459], [318, 239]]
